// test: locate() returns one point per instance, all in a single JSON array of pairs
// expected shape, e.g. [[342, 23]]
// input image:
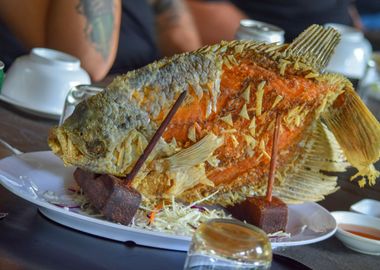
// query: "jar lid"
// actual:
[[262, 31], [261, 27]]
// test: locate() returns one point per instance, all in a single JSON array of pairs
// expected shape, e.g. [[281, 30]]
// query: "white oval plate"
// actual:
[[32, 174]]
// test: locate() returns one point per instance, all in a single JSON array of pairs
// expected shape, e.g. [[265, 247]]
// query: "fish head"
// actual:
[[102, 129]]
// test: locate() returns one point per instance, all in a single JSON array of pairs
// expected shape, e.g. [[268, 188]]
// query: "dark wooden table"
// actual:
[[28, 240]]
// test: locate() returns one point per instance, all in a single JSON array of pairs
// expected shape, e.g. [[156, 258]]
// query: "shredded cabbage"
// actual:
[[174, 218], [177, 218]]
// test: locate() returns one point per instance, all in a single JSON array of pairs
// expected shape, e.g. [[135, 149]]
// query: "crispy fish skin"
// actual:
[[135, 102], [220, 138]]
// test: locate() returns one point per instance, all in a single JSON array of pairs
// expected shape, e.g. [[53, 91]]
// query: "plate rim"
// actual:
[[113, 225], [24, 106], [61, 210]]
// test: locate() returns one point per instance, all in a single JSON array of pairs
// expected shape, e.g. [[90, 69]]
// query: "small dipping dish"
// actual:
[[358, 232]]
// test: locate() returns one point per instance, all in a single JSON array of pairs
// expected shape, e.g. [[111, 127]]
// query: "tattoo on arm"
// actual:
[[99, 15]]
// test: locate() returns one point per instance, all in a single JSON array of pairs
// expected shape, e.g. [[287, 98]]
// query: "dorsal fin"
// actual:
[[314, 46]]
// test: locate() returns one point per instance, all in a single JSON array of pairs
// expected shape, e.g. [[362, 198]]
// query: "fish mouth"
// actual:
[[116, 159], [63, 146], [54, 142]]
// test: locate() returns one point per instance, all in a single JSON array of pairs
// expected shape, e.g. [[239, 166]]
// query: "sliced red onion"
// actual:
[[68, 206], [200, 208], [73, 190]]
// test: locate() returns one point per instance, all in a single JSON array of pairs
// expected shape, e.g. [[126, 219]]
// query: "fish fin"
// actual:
[[195, 154], [303, 179], [314, 46], [358, 133], [178, 172], [186, 178], [186, 168]]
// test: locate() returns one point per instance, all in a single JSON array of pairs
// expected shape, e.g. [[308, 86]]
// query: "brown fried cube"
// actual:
[[116, 200], [269, 216]]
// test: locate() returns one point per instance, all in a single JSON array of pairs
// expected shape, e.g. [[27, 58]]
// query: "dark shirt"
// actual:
[[137, 41], [294, 16], [137, 44], [368, 6], [10, 46]]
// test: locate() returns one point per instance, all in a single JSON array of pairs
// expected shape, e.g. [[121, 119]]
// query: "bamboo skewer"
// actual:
[[273, 160], [152, 143]]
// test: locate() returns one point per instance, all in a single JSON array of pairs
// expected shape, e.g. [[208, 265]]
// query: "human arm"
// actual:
[[215, 20], [87, 29], [176, 31]]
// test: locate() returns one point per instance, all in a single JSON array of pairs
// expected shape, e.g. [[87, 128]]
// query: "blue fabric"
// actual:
[[371, 21]]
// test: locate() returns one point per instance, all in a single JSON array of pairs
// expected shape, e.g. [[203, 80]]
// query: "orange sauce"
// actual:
[[367, 232]]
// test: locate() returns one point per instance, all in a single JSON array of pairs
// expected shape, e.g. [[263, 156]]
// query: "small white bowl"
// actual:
[[352, 53], [353, 241], [40, 81], [368, 207]]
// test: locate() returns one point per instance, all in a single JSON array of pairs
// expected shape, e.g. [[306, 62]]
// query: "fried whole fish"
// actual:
[[219, 140]]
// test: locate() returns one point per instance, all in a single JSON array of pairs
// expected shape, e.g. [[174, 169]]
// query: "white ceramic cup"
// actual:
[[41, 80]]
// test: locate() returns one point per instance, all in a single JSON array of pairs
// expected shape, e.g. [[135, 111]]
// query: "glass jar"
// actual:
[[228, 244], [259, 31]]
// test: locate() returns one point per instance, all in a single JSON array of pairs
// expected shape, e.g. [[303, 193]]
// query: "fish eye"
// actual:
[[96, 147]]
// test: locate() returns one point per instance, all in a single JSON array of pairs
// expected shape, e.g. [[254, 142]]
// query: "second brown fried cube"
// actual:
[[270, 216]]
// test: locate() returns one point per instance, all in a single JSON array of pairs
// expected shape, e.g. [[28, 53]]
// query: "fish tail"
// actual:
[[358, 133]]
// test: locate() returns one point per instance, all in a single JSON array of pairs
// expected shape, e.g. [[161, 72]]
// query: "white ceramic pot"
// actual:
[[41, 80], [352, 53]]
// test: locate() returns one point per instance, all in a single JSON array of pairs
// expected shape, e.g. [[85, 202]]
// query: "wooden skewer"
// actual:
[[273, 160], [152, 143]]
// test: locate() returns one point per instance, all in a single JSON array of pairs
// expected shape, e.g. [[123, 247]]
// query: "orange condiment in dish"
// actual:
[[362, 231]]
